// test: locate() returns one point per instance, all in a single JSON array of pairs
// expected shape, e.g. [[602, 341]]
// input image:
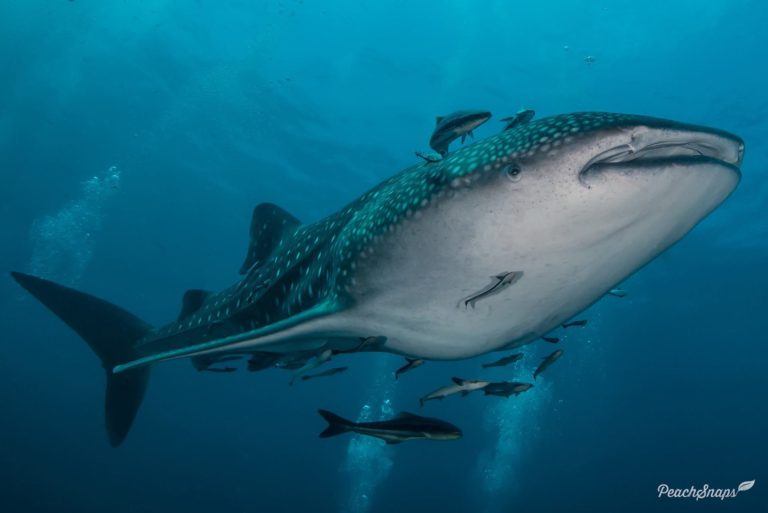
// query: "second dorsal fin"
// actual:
[[192, 301], [269, 225]]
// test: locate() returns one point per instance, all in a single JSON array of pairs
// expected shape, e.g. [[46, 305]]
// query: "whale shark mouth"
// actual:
[[694, 148]]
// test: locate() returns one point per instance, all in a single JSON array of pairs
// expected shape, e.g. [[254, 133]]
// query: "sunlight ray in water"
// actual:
[[513, 426], [63, 242], [368, 460]]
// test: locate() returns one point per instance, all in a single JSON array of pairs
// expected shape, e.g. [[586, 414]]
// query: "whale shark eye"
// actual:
[[512, 172]]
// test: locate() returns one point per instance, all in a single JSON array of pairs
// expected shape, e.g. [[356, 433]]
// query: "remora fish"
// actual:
[[204, 363], [523, 116], [506, 388], [498, 283], [551, 340], [313, 363], [501, 362], [429, 158], [618, 292], [411, 363], [580, 323], [219, 369], [455, 125], [459, 386], [404, 427], [329, 372], [401, 256], [548, 360]]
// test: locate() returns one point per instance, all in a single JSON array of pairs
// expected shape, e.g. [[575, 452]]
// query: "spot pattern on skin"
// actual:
[[316, 263]]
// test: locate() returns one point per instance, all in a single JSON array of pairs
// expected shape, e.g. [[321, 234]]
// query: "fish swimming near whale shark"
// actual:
[[576, 202]]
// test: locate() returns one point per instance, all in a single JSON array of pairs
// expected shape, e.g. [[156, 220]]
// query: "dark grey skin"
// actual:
[[549, 360], [501, 362], [411, 364], [329, 372], [522, 117], [455, 125], [498, 283], [404, 427], [580, 324], [506, 388]]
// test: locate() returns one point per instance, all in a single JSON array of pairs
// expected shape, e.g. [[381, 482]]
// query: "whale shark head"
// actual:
[[573, 203], [593, 176], [630, 155]]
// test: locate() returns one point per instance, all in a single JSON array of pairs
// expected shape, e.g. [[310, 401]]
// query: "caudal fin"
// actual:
[[336, 424], [111, 332]]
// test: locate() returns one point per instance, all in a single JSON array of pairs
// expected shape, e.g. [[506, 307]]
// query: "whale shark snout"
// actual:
[[661, 142]]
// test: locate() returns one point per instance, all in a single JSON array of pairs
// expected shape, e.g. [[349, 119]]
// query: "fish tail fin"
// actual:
[[336, 424], [111, 333]]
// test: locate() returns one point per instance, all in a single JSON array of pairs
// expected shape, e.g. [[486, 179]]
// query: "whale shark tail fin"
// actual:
[[111, 333]]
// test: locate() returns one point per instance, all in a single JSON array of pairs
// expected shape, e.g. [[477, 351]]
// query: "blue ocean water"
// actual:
[[136, 137]]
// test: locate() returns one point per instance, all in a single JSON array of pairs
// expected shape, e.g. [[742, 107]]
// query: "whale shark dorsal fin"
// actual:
[[191, 302], [269, 225]]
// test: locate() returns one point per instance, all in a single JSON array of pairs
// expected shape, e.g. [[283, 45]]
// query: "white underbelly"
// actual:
[[571, 251]]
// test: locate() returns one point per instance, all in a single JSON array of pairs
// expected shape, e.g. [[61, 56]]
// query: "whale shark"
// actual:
[[572, 204]]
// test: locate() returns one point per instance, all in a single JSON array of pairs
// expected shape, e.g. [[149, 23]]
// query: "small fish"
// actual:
[[589, 59], [329, 372], [232, 358], [618, 292], [219, 369], [548, 360], [260, 361], [404, 427], [204, 362], [312, 363], [430, 158], [462, 386], [504, 361], [411, 364], [364, 342], [522, 117], [457, 124], [498, 283], [580, 323], [551, 340], [506, 388]]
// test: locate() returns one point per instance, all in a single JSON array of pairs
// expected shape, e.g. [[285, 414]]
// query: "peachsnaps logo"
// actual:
[[705, 492]]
